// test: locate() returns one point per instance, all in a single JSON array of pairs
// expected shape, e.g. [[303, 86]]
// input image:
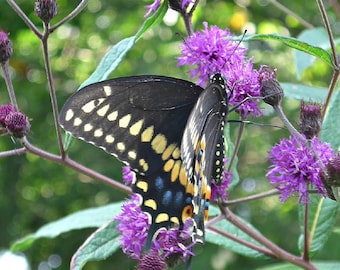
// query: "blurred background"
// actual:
[[35, 191]]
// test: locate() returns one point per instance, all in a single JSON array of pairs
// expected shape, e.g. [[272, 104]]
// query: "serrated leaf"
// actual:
[[304, 92], [89, 218], [229, 244], [295, 44], [330, 131], [322, 214], [99, 246], [316, 37]]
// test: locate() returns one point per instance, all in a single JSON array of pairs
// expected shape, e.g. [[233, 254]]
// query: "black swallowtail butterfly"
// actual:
[[168, 130]]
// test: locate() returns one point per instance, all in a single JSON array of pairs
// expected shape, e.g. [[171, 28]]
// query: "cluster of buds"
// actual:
[[13, 122]]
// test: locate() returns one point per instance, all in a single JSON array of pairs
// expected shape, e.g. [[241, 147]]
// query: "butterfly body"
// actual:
[[152, 123]]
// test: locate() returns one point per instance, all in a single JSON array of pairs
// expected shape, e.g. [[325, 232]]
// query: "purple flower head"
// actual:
[[152, 8], [219, 190], [295, 167], [152, 261], [211, 52], [6, 49], [128, 176], [5, 110], [133, 227], [271, 89]]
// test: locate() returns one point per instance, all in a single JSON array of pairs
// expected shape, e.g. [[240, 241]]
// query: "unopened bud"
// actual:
[[6, 49], [17, 124], [46, 10], [310, 119], [271, 90]]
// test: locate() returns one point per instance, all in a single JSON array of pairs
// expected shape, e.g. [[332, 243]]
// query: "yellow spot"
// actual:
[[168, 165], [168, 151], [218, 162], [203, 144], [144, 164], [162, 218], [199, 232], [132, 155], [107, 90], [151, 204], [112, 116], [136, 127], [218, 153], [98, 132], [190, 189], [174, 220], [158, 144], [142, 185], [124, 121], [147, 134], [182, 176], [176, 154], [109, 139], [103, 110], [77, 122], [121, 146], [175, 171], [91, 105], [69, 115], [88, 127]]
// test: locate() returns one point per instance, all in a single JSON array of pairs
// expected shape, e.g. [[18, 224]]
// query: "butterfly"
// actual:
[[168, 130]]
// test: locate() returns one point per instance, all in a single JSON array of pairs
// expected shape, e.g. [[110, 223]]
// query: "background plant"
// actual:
[[37, 191]]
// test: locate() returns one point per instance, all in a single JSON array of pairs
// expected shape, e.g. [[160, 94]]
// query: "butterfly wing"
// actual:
[[202, 148], [140, 120]]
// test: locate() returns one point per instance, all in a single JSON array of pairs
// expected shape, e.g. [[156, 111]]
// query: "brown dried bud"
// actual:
[[271, 90], [333, 169], [46, 10], [6, 49], [310, 119]]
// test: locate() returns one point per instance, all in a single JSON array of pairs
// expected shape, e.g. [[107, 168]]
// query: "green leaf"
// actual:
[[321, 219], [89, 218], [154, 19], [295, 44], [287, 266], [330, 129], [99, 246], [317, 37], [229, 244], [116, 54], [304, 92]]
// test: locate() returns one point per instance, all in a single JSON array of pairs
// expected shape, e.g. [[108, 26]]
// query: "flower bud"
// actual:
[[271, 89], [46, 10], [17, 124], [6, 49], [310, 119], [333, 169], [5, 110]]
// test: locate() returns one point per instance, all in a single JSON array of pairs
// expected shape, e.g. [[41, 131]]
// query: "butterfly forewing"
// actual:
[[140, 120]]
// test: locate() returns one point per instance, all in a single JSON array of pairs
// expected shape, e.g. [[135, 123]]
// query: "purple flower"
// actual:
[[174, 242], [295, 167], [310, 119], [211, 52], [152, 8], [133, 227], [128, 176], [219, 190]]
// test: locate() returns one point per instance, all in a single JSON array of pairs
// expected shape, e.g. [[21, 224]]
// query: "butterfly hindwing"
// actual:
[[203, 147]]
